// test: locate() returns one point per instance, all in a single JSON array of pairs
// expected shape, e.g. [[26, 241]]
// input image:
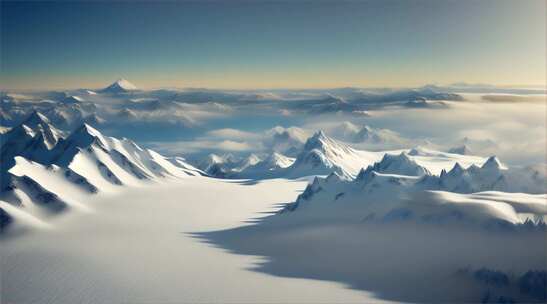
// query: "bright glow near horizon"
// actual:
[[272, 45]]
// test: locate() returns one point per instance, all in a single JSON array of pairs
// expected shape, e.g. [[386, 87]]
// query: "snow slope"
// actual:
[[138, 246], [322, 155]]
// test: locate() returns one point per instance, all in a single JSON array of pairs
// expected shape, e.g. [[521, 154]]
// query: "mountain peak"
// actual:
[[389, 159], [89, 129], [85, 135], [278, 160], [319, 134], [399, 164], [492, 163], [319, 140], [121, 85], [457, 169], [36, 118]]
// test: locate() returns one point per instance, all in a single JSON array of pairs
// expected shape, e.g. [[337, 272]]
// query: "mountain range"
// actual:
[[322, 155], [44, 172], [398, 189]]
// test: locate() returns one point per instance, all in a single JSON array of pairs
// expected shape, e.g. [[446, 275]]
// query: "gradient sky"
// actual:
[[272, 44]]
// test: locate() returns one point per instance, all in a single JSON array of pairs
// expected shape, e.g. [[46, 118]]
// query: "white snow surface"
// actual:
[[136, 246], [322, 155], [157, 238]]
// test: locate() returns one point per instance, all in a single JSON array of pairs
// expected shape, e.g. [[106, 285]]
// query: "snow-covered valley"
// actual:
[[138, 246], [200, 239]]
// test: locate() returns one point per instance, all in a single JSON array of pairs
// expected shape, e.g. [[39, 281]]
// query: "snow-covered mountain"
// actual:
[[45, 172], [276, 161], [493, 176], [253, 166], [322, 155], [33, 139], [386, 191], [397, 164], [120, 86], [225, 165], [271, 166]]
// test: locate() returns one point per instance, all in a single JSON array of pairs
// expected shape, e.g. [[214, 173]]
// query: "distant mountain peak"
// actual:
[[397, 164], [277, 159], [492, 163], [121, 85]]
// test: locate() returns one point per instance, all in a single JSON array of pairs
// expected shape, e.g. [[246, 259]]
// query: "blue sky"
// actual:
[[277, 44]]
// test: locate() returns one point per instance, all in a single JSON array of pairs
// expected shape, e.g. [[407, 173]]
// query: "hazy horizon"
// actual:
[[271, 45], [108, 82]]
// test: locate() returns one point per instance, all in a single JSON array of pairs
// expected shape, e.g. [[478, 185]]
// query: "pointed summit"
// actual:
[[87, 129], [40, 124], [84, 136], [318, 141], [35, 118], [319, 135], [322, 155], [457, 169], [492, 163], [120, 86]]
